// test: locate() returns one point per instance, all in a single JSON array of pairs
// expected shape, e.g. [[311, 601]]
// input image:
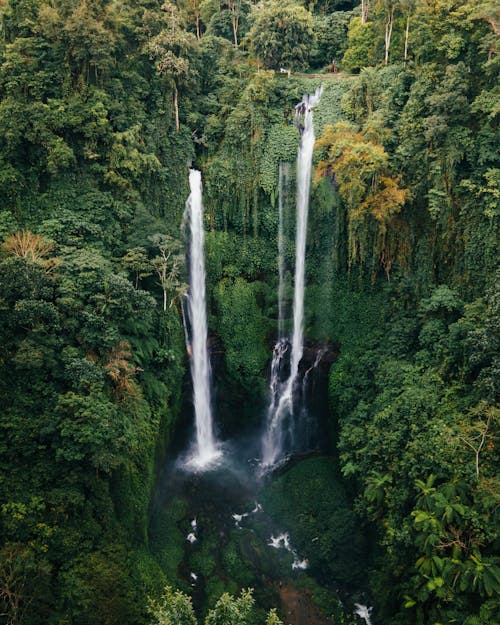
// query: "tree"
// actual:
[[231, 610], [92, 32], [360, 168], [331, 36], [389, 10], [173, 608], [281, 34], [167, 266], [360, 44], [121, 370], [478, 430], [33, 247], [137, 261], [23, 578], [488, 11], [408, 8], [170, 49], [226, 18], [273, 619], [235, 8], [192, 8]]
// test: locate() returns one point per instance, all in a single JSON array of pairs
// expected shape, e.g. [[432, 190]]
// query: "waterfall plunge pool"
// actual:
[[287, 535]]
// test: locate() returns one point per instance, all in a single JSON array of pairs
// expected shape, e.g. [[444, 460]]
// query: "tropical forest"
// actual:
[[249, 312]]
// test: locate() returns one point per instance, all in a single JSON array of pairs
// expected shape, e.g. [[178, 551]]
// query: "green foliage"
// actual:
[[325, 527], [175, 608], [281, 34], [373, 198], [166, 539], [230, 610], [331, 37], [243, 330], [410, 431], [226, 18], [361, 40], [82, 148], [91, 171], [281, 145]]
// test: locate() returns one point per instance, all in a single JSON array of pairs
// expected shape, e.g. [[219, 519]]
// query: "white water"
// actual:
[[300, 565], [281, 348], [239, 517], [282, 541], [273, 438], [281, 403], [206, 449], [304, 166], [364, 612], [284, 174]]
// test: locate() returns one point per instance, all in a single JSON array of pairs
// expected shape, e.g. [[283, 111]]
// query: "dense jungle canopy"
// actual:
[[104, 104]]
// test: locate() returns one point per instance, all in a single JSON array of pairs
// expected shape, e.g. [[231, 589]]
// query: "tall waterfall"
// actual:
[[280, 412], [304, 166], [284, 174], [206, 448]]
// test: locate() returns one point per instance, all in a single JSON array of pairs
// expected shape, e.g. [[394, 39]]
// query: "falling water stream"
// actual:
[[284, 174], [206, 448], [304, 166], [281, 404]]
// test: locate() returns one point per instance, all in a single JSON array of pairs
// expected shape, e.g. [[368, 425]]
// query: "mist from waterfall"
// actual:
[[280, 412], [205, 448]]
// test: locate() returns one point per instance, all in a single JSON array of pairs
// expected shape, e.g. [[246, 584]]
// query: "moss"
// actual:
[[204, 560], [238, 566], [166, 539]]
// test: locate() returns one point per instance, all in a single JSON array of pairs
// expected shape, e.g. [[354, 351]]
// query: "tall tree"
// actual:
[[170, 48], [281, 34], [167, 266]]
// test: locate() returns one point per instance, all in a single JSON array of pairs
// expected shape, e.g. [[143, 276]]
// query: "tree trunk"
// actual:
[[164, 300], [388, 33], [235, 30], [176, 107], [407, 35], [364, 11], [198, 33]]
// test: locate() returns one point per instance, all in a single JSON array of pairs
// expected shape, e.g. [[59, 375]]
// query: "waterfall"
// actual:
[[281, 405], [307, 428], [304, 166], [206, 448], [281, 348], [284, 174], [273, 438]]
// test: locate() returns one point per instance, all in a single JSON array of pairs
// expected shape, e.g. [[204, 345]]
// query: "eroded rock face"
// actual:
[[312, 349]]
